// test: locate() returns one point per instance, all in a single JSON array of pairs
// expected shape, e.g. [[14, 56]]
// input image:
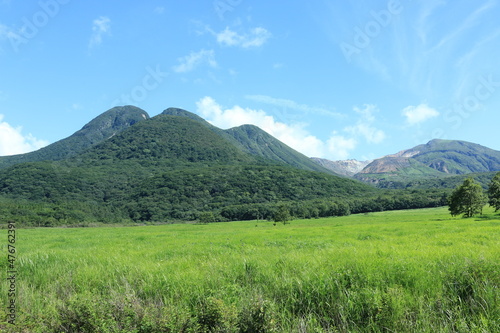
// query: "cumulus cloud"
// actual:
[[364, 127], [100, 27], [13, 141], [194, 59], [418, 114], [294, 135], [340, 147], [337, 147], [256, 38]]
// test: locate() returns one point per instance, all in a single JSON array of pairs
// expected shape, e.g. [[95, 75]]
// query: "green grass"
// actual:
[[400, 271]]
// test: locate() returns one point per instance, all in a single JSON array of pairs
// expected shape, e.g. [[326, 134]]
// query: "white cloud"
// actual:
[[289, 104], [364, 127], [339, 146], [418, 114], [13, 141], [194, 59], [256, 38], [294, 135], [100, 27], [160, 10]]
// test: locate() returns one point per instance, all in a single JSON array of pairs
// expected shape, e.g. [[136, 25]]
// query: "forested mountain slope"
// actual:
[[99, 129]]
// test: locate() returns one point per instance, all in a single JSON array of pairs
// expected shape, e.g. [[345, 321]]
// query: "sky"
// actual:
[[332, 79]]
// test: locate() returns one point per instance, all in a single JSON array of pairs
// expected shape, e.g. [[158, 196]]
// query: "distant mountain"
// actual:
[[99, 129], [346, 168], [257, 142], [437, 158]]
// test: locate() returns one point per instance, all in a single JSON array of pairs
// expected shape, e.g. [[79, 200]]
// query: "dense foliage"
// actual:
[[442, 182], [467, 199], [494, 192]]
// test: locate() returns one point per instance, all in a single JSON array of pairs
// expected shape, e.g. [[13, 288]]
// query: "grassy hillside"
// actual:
[[401, 271]]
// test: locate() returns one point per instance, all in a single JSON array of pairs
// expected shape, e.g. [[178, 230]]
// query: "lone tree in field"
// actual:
[[282, 214], [467, 199], [494, 192]]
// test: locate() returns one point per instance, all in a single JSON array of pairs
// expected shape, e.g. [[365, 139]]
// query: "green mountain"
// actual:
[[167, 139], [99, 129], [436, 159], [255, 141]]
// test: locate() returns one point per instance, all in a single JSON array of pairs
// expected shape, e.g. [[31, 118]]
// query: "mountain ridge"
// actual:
[[435, 159], [255, 141], [97, 130]]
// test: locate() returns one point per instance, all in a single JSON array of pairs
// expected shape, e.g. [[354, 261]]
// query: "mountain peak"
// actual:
[[182, 113], [112, 121], [437, 158], [97, 130]]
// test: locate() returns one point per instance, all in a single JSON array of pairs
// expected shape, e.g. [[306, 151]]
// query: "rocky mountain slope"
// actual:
[[437, 158], [346, 168]]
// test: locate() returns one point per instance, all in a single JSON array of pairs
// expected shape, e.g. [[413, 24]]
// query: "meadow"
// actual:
[[398, 271]]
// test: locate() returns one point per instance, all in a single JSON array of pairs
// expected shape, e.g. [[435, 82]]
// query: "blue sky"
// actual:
[[333, 79]]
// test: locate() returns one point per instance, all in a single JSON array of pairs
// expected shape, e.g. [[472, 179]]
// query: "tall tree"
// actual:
[[467, 199], [282, 214], [494, 192]]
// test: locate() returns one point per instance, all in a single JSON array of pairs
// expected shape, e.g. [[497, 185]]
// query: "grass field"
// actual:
[[401, 271]]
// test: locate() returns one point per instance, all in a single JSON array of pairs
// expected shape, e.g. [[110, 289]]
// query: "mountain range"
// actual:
[[435, 159], [127, 166]]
